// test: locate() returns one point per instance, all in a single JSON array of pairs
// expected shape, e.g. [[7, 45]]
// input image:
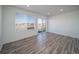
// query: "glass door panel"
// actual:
[[44, 25], [41, 25]]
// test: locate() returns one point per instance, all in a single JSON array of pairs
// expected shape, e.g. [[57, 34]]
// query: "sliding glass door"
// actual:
[[41, 25]]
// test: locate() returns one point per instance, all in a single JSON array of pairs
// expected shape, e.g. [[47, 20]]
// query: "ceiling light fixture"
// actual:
[[27, 5], [48, 13], [61, 10]]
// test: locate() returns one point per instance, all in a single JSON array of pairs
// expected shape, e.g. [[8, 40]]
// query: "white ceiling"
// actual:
[[49, 10]]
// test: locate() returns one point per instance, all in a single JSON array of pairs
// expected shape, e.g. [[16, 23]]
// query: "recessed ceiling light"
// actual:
[[48, 13], [28, 5], [61, 10]]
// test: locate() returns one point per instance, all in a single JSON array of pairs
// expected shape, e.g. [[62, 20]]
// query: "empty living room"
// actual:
[[39, 29]]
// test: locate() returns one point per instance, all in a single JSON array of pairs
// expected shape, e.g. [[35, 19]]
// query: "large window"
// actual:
[[24, 22]]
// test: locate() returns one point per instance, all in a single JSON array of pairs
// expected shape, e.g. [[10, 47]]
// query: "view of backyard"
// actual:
[[25, 22]]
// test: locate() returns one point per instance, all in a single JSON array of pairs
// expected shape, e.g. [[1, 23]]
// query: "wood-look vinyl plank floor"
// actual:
[[43, 43]]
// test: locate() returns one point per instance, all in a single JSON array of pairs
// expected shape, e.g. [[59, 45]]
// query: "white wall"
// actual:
[[65, 24], [0, 27], [9, 32]]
